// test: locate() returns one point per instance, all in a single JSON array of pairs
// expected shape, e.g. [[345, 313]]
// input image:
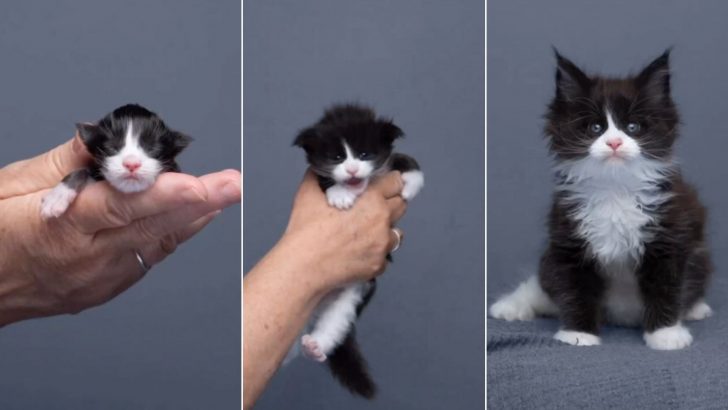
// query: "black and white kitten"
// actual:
[[627, 241], [347, 148], [130, 147]]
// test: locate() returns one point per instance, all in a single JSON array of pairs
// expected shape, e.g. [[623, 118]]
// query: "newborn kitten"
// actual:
[[347, 148], [626, 231], [130, 147]]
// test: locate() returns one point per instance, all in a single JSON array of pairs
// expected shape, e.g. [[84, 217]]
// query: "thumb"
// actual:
[[43, 171]]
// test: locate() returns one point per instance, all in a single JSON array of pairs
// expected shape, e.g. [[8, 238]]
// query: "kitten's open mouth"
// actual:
[[353, 181]]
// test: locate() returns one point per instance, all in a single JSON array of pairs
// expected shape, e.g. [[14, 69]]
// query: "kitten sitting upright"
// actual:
[[130, 147], [626, 231], [347, 148]]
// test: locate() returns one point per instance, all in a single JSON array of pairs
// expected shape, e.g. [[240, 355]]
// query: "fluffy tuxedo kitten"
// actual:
[[347, 148], [627, 241], [130, 147]]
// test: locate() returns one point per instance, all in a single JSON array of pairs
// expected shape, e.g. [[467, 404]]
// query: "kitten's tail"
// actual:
[[349, 367]]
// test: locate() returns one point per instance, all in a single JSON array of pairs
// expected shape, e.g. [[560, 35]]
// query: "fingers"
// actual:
[[156, 252], [43, 171], [223, 190], [390, 185], [127, 268], [397, 208], [99, 206]]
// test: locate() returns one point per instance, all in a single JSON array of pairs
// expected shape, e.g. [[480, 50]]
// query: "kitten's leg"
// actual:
[[333, 322], [412, 177], [55, 202], [660, 276], [697, 274], [524, 303], [573, 284]]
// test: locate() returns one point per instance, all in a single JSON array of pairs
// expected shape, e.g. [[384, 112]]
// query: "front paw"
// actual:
[[57, 201], [669, 338], [575, 338], [340, 197], [413, 183]]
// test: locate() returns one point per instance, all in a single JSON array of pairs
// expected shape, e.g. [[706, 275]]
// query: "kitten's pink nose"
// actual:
[[614, 143], [131, 163], [352, 169]]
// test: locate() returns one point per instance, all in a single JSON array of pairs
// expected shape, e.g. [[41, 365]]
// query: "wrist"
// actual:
[[301, 267]]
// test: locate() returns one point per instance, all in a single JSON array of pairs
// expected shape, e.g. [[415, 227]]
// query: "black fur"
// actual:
[[674, 269], [360, 128], [106, 137]]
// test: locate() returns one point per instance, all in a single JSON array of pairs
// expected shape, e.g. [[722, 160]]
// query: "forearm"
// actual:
[[279, 295]]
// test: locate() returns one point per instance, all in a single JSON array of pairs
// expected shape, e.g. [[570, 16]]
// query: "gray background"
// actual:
[[422, 63], [615, 38], [173, 340]]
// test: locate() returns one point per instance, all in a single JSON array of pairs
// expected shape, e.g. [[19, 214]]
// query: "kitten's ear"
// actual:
[[87, 131], [391, 132], [305, 138], [175, 142], [571, 82], [654, 79]]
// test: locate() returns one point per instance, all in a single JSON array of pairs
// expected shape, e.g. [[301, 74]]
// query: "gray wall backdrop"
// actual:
[[614, 38], [173, 340], [422, 63]]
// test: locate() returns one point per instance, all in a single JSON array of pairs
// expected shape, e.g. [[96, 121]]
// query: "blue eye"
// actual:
[[338, 157], [596, 128], [364, 155], [633, 127]]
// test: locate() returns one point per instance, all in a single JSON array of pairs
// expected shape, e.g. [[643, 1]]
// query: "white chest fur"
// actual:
[[612, 206], [612, 222]]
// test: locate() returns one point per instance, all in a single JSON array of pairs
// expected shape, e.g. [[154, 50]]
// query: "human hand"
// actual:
[[86, 257], [344, 246]]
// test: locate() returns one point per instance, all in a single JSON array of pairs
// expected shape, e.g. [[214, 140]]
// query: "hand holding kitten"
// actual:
[[322, 248], [69, 264], [351, 246]]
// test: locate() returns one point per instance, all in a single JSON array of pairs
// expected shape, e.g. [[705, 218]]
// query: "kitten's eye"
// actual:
[[338, 157], [364, 155], [596, 128], [633, 127]]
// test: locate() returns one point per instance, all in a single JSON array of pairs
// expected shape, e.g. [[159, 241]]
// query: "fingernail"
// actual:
[[231, 191]]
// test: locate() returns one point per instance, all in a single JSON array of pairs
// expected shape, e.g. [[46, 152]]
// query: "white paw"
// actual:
[[510, 309], [413, 183], [699, 311], [311, 349], [340, 197], [55, 202], [575, 338], [669, 338]]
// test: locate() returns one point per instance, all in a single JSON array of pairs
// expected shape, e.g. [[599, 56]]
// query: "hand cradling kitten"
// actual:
[[130, 147]]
